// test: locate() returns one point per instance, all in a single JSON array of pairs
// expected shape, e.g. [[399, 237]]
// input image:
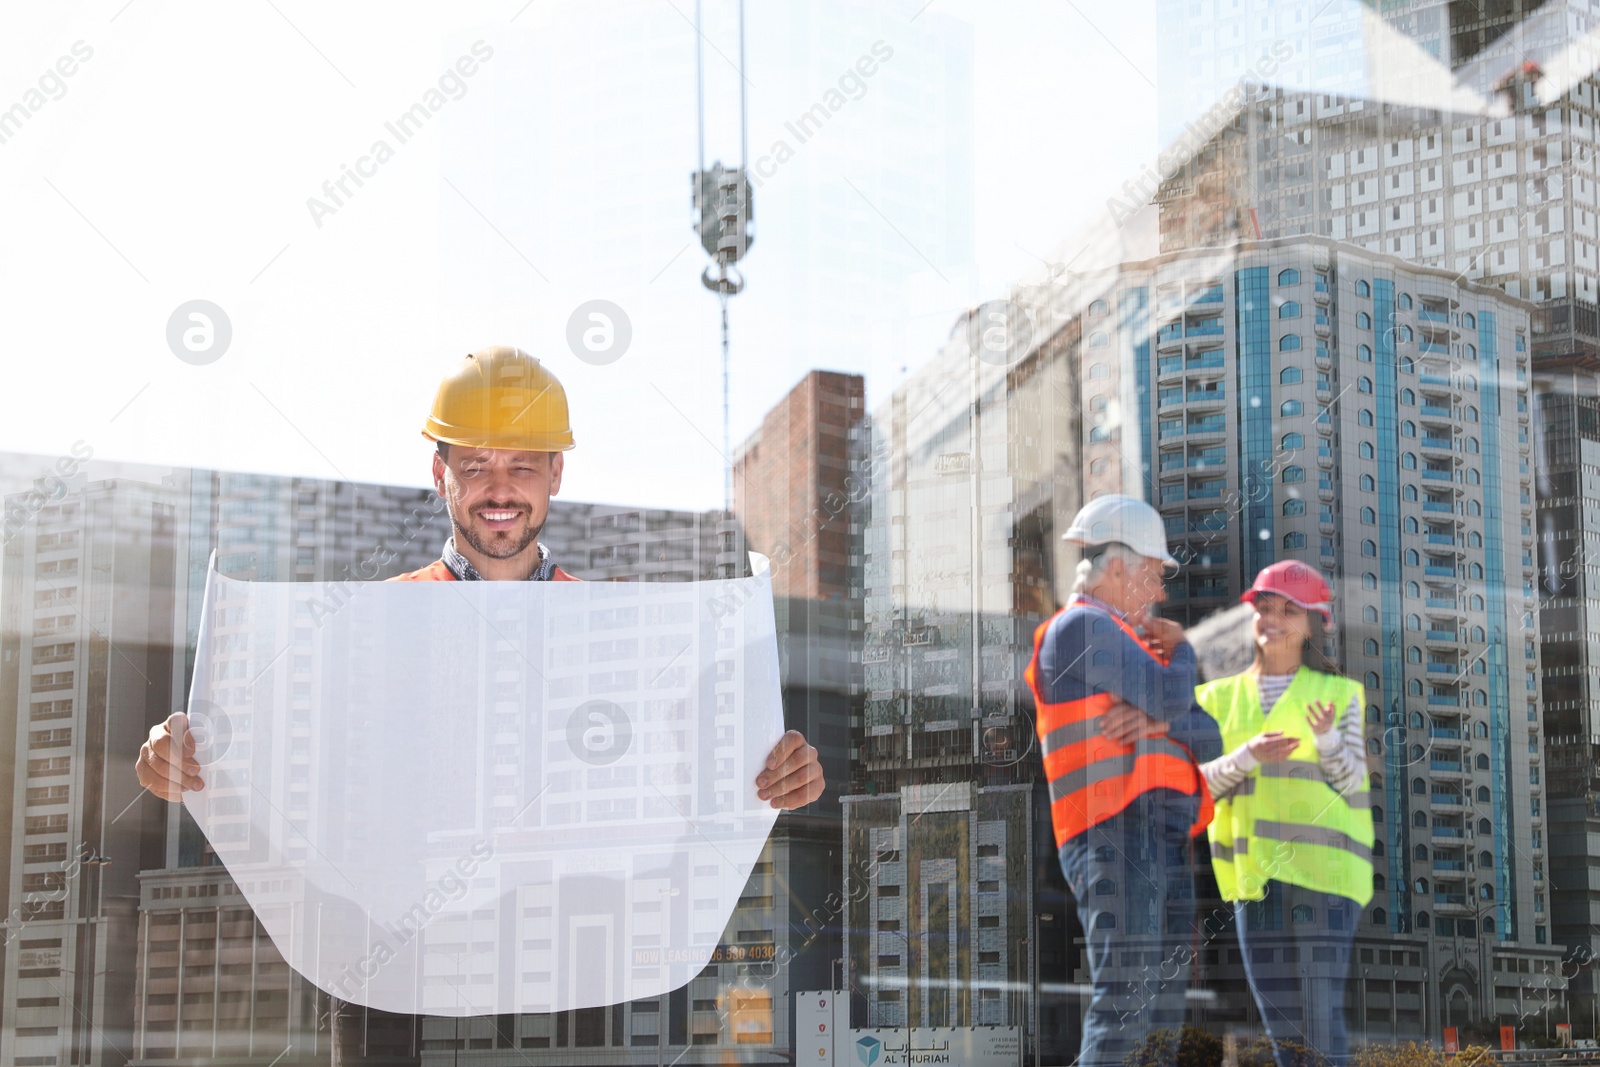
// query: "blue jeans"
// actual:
[[1132, 876], [1296, 946]]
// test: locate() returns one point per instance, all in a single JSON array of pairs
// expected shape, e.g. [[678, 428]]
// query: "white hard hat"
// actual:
[[1119, 519]]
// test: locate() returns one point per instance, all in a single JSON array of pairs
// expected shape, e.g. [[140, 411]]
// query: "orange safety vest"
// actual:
[[1093, 777], [438, 572]]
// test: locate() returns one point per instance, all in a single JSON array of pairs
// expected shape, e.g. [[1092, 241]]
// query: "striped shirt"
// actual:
[[1341, 751], [464, 571]]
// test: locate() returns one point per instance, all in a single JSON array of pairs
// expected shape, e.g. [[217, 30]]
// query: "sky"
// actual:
[[177, 153]]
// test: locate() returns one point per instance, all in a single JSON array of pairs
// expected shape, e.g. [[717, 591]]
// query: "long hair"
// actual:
[[1314, 652]]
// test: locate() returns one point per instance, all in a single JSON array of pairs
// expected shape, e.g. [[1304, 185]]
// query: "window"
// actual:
[[1408, 460], [1364, 353], [1369, 548], [1373, 683], [1364, 417], [1369, 614], [1289, 309], [1098, 339], [1099, 466], [1100, 370], [1292, 442], [1404, 300], [1294, 539], [1369, 517], [1369, 581], [1097, 308], [1365, 450], [1294, 506], [1301, 913], [1363, 321], [1289, 277], [1363, 384], [1097, 402], [1370, 647], [1380, 917], [1290, 408], [1294, 474], [1289, 376], [1289, 342]]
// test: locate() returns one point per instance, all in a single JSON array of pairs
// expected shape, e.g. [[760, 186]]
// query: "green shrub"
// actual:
[[1193, 1048]]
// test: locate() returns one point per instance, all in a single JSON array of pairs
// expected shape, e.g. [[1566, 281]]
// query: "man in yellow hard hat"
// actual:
[[500, 426]]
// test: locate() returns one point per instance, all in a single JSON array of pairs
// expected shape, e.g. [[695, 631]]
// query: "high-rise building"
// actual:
[[1403, 392], [86, 647], [1506, 199], [973, 474], [102, 583]]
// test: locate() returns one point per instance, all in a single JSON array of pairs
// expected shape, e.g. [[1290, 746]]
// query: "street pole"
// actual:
[[1038, 1029], [1022, 1012], [661, 998]]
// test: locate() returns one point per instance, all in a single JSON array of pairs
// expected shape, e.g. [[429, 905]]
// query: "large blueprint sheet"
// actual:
[[469, 798]]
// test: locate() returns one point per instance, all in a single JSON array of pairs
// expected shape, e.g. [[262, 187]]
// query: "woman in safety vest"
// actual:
[[1291, 839]]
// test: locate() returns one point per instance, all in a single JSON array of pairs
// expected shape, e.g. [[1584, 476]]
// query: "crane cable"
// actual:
[[744, 157]]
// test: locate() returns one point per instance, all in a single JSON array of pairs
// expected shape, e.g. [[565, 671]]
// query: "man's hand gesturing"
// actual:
[[166, 764]]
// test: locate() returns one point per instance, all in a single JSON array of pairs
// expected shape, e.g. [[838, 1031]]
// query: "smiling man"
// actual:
[[501, 430]]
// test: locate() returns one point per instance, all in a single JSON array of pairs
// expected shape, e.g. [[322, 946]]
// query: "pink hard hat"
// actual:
[[1293, 580]]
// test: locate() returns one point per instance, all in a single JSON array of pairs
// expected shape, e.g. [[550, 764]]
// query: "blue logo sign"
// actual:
[[868, 1049]]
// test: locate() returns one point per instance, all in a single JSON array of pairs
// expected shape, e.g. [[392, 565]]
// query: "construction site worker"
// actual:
[[1291, 840], [501, 430], [1119, 730]]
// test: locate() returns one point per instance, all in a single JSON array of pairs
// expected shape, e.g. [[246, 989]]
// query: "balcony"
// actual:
[[1444, 443], [1434, 570], [1211, 327], [1450, 799], [1438, 539], [1438, 506], [1427, 314], [1435, 411], [1169, 368], [1211, 398], [1446, 603], [1172, 333], [1443, 635], [1447, 831], [1439, 701], [1434, 379], [1210, 295], [1443, 668], [1446, 765], [1206, 361], [1449, 865], [1438, 476], [1449, 733]]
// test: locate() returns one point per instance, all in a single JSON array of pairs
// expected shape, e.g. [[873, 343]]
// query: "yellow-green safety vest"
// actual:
[[1285, 821]]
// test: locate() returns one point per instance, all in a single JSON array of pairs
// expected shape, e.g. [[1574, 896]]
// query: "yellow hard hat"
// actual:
[[501, 397]]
